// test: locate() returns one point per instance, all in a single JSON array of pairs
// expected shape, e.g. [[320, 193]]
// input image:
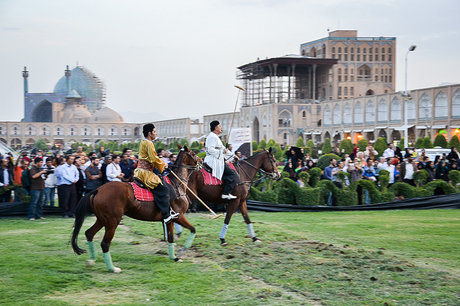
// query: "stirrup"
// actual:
[[173, 214], [228, 196]]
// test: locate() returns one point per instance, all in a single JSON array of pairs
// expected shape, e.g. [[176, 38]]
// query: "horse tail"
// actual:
[[83, 209]]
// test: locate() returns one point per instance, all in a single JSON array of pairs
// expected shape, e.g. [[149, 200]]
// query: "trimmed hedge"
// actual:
[[324, 160], [315, 175], [308, 196]]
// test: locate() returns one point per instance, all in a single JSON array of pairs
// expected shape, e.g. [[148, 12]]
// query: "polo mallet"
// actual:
[[234, 111], [215, 216]]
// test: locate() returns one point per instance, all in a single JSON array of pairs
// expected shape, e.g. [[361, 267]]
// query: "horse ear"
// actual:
[[179, 146], [270, 150], [185, 148]]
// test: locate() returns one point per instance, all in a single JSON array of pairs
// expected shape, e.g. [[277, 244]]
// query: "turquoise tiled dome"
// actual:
[[87, 84]]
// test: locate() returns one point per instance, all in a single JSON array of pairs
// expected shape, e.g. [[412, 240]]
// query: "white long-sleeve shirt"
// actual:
[[113, 170], [215, 155]]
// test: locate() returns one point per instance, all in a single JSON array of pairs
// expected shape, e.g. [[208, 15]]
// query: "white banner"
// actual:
[[241, 140]]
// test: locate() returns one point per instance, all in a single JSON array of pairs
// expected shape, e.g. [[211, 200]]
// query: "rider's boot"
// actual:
[[161, 195]]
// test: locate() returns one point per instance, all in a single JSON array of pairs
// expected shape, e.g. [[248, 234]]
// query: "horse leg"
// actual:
[[89, 239], [105, 245], [230, 211], [178, 229], [244, 212], [188, 243], [169, 230]]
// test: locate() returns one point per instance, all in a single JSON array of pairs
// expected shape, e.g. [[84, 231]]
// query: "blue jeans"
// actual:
[[49, 193], [36, 203], [367, 197]]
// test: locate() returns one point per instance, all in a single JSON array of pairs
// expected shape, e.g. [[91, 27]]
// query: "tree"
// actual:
[[183, 142], [347, 146], [380, 145], [327, 147], [270, 143], [440, 141], [362, 144], [40, 144], [454, 142], [427, 144], [300, 143], [262, 145], [401, 144], [419, 143], [196, 147], [254, 146], [310, 144]]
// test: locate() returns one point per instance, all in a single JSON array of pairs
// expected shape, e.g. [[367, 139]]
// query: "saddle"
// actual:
[[206, 171], [142, 192]]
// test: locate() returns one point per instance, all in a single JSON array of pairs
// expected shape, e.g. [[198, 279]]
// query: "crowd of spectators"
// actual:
[[366, 165], [41, 176]]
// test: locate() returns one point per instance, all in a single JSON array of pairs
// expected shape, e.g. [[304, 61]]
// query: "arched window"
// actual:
[[59, 131], [382, 114], [358, 118], [424, 108], [370, 112], [364, 73], [304, 114], [100, 131], [456, 104], [441, 105], [284, 119], [327, 115], [347, 114], [337, 115], [410, 109], [395, 114]]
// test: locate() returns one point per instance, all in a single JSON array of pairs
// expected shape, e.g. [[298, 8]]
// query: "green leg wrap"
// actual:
[[171, 251], [92, 254], [189, 241], [108, 261]]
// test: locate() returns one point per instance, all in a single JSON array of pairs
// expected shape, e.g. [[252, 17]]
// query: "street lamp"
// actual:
[[406, 98]]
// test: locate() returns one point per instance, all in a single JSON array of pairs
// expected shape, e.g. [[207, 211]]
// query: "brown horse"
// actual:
[[113, 200], [262, 162]]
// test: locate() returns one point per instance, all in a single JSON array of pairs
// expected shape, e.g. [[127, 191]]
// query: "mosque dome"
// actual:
[[87, 84], [81, 114], [106, 115]]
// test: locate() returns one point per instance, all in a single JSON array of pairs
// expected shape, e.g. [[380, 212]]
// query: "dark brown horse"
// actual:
[[262, 162], [113, 200]]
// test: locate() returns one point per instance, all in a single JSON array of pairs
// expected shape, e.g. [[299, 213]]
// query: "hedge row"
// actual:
[[286, 191]]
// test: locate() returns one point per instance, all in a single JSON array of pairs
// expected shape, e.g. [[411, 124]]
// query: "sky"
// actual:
[[176, 59]]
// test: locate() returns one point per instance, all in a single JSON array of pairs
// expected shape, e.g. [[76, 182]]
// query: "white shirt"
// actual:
[[388, 153], [409, 171], [215, 155], [51, 180], [391, 169], [113, 170], [6, 177]]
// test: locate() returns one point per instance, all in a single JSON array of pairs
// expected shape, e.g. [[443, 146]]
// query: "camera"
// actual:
[[48, 170]]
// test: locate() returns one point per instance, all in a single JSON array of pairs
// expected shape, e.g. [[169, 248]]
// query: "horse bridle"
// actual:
[[263, 173], [197, 166]]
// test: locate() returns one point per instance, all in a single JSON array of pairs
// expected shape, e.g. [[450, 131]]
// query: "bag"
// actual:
[[25, 178]]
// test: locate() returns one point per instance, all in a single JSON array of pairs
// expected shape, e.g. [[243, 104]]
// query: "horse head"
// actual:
[[187, 157], [269, 165]]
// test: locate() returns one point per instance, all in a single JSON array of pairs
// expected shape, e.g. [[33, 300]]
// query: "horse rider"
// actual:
[[215, 158], [148, 162]]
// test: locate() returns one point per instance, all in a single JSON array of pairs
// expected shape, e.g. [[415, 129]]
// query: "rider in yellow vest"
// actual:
[[148, 162]]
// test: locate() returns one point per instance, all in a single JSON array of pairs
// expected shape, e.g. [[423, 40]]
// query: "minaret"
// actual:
[[25, 75], [67, 76]]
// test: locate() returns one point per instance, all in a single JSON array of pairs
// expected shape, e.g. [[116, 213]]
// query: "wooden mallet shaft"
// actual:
[[215, 216]]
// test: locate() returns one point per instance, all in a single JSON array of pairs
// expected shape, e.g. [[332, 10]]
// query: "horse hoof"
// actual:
[[116, 270], [177, 259], [224, 244], [181, 251], [90, 262], [258, 241]]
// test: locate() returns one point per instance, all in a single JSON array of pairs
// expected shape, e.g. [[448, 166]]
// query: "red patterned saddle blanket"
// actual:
[[211, 180], [145, 194]]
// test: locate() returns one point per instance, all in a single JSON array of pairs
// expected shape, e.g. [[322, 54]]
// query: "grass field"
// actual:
[[333, 258]]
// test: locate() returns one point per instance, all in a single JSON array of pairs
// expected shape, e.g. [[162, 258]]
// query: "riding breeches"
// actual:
[[161, 193], [230, 178]]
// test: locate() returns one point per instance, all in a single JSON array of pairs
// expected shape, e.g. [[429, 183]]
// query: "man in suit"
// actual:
[[6, 181]]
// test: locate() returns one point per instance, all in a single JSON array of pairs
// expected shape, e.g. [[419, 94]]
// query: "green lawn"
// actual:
[[333, 258]]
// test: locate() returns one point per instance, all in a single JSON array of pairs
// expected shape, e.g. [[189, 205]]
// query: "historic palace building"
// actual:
[[341, 86]]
